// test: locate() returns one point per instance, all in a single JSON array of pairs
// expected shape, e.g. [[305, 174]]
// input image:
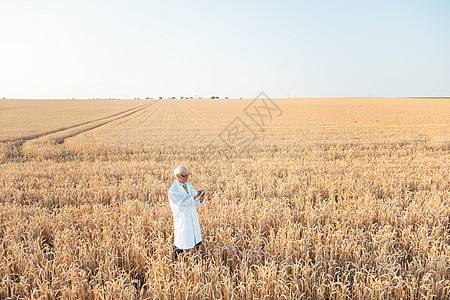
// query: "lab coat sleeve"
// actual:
[[197, 202], [181, 200]]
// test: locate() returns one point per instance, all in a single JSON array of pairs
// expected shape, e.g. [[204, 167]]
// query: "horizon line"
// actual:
[[224, 98]]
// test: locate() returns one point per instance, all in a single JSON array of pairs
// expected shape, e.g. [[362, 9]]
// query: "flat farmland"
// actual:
[[310, 198]]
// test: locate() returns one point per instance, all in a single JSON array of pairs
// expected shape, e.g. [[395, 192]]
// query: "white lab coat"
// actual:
[[185, 217]]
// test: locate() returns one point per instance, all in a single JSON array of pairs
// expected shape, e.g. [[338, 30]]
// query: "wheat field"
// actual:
[[309, 198]]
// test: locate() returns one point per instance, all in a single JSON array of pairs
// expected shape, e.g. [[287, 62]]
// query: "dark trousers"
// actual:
[[177, 251]]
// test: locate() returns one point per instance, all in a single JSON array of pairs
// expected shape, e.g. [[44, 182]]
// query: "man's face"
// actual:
[[184, 176]]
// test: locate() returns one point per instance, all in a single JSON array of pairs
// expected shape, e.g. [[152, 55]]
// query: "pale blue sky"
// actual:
[[128, 49]]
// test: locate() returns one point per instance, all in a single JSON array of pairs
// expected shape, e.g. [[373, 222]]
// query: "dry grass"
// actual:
[[336, 199]]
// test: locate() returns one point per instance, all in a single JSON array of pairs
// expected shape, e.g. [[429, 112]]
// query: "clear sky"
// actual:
[[146, 48]]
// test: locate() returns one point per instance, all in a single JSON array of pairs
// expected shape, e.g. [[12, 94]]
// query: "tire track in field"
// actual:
[[19, 141], [131, 119], [140, 108], [149, 117]]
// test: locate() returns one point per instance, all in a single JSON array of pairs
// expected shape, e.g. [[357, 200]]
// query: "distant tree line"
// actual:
[[146, 98]]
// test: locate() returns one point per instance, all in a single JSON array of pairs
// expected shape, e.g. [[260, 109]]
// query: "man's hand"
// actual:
[[198, 193]]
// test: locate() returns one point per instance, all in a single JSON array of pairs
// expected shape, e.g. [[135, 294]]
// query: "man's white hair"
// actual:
[[178, 170]]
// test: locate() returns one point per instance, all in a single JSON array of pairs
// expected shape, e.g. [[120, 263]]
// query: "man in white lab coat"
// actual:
[[183, 200]]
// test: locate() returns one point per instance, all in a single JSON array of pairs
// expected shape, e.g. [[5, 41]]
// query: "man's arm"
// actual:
[[181, 200], [198, 199]]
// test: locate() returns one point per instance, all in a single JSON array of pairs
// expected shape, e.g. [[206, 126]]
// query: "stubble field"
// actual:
[[309, 198]]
